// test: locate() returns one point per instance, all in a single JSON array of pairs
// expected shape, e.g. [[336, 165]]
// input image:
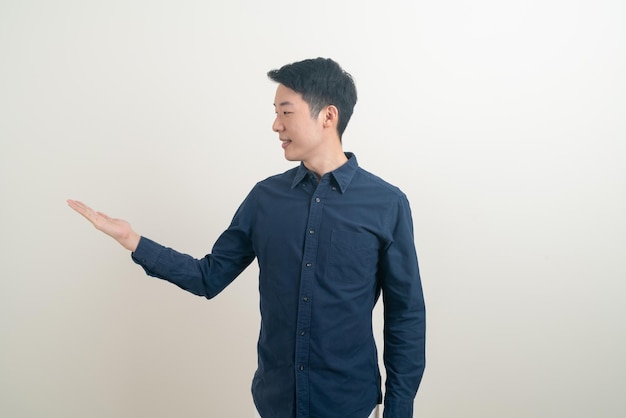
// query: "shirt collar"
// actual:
[[342, 175]]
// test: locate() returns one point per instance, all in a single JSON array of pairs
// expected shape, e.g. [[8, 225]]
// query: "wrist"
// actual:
[[130, 241]]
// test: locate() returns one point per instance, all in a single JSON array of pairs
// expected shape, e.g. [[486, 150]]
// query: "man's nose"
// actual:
[[277, 126]]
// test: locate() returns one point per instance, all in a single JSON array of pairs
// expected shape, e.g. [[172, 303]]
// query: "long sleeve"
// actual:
[[405, 319], [207, 276]]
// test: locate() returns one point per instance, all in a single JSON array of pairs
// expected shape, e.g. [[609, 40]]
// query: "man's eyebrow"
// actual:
[[285, 103]]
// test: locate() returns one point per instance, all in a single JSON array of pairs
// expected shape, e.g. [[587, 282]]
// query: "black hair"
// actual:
[[321, 82]]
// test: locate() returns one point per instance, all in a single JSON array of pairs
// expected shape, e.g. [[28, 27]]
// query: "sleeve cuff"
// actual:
[[395, 408], [146, 254]]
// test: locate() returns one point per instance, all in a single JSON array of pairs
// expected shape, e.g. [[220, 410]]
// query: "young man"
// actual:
[[329, 237]]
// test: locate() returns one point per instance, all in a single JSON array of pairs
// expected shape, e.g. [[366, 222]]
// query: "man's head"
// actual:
[[321, 82]]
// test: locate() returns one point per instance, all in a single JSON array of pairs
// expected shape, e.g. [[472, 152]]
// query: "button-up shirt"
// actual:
[[326, 249]]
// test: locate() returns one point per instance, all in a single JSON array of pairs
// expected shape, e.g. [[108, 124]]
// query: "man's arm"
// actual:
[[207, 276], [118, 229], [405, 319]]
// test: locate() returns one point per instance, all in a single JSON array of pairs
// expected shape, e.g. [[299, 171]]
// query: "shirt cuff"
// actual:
[[146, 254], [396, 408]]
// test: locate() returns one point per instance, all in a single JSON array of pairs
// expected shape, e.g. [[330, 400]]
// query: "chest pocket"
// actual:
[[353, 256]]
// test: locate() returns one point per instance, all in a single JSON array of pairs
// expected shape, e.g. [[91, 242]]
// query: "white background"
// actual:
[[503, 121]]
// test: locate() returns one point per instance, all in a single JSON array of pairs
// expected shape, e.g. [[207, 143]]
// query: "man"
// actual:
[[329, 237]]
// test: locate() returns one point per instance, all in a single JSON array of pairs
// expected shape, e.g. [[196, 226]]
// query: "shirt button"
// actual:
[[306, 299], [301, 367], [317, 199], [312, 231], [302, 333], [333, 188], [309, 264]]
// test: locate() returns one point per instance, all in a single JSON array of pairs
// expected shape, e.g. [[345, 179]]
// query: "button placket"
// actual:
[[307, 280]]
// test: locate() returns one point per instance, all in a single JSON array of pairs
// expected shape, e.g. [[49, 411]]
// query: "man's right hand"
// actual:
[[118, 229]]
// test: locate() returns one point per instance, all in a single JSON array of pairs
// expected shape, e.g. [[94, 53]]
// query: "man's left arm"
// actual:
[[405, 316]]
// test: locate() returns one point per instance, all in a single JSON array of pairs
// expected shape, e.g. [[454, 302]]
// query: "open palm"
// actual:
[[118, 229]]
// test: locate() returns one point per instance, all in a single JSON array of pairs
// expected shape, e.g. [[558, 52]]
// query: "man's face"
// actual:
[[300, 134]]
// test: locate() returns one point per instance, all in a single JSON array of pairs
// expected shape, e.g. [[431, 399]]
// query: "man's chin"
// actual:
[[291, 158]]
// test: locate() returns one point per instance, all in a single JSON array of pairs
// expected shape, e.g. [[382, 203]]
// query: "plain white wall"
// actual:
[[504, 122]]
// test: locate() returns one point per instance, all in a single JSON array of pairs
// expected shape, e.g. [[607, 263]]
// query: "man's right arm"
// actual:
[[207, 276]]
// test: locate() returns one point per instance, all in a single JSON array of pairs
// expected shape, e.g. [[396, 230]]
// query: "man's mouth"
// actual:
[[285, 142]]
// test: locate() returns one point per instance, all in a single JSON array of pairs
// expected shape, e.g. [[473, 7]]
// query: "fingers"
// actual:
[[88, 213], [80, 207], [108, 218]]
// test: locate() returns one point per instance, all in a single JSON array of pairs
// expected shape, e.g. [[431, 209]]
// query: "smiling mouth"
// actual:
[[285, 142]]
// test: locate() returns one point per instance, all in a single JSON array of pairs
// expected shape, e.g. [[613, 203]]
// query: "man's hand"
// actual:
[[118, 229]]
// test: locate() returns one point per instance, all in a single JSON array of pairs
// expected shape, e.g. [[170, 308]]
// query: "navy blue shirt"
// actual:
[[326, 250]]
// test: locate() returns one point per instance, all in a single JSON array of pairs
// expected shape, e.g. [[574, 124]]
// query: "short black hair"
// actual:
[[321, 82]]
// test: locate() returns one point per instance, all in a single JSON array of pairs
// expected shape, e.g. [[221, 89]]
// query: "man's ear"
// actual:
[[331, 116]]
